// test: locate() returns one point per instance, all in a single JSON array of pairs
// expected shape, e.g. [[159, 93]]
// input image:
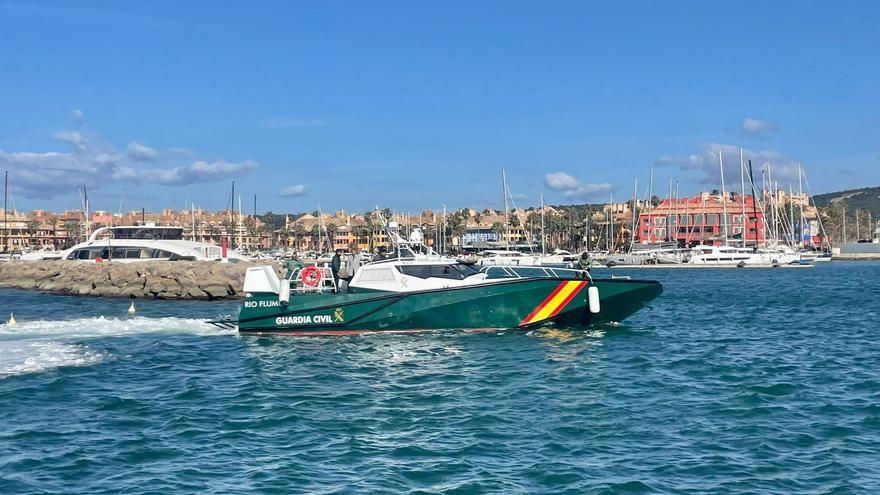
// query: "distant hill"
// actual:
[[866, 198]]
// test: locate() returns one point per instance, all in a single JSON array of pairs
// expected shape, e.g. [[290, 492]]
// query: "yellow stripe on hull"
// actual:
[[554, 304]]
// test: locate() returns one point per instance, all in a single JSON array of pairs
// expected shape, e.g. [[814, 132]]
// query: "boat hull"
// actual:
[[516, 303]]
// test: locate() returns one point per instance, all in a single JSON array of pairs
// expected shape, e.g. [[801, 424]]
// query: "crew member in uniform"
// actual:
[[335, 264]]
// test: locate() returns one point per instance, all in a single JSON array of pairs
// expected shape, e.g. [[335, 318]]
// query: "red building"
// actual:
[[700, 220]]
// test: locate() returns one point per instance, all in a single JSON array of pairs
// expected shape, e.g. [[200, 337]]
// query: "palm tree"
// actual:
[[331, 234], [213, 231], [54, 222], [33, 226], [315, 231], [74, 232], [298, 231], [498, 228]]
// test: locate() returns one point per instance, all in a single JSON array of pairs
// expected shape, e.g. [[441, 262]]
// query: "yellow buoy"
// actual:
[[131, 309], [11, 321]]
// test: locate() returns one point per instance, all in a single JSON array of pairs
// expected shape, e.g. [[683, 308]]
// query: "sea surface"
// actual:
[[751, 381]]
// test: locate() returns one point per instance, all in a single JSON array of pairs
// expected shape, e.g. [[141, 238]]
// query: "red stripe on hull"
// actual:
[[567, 299], [543, 303], [342, 333]]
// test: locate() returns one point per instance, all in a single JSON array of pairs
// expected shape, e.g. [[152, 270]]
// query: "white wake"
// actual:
[[41, 345]]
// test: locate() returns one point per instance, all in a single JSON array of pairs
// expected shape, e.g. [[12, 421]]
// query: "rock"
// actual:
[[163, 280]]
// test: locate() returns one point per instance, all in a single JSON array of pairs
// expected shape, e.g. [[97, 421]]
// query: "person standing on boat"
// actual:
[[335, 265], [381, 254], [354, 261]]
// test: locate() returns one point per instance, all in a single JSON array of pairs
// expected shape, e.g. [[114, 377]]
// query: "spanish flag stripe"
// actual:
[[555, 302], [543, 303], [574, 292]]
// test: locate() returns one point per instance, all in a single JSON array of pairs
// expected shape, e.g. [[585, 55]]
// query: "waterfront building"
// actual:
[[701, 220]]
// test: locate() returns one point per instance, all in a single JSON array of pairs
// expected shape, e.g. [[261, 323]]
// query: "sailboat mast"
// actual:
[[791, 212], [669, 211], [237, 230], [232, 217], [506, 213], [801, 210], [742, 196], [543, 237], [611, 224], [635, 211], [822, 233], [5, 209], [723, 196]]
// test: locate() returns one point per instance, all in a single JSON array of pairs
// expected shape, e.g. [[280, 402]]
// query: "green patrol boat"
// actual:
[[414, 292]]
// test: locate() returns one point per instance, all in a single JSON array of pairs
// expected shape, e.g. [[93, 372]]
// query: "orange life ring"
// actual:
[[311, 276]]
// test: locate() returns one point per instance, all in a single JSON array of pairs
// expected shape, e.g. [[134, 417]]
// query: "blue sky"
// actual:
[[410, 105]]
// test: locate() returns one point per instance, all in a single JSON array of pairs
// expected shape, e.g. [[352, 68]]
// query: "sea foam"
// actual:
[[42, 345]]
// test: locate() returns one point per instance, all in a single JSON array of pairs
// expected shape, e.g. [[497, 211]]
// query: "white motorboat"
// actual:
[[45, 253], [149, 242], [500, 257], [739, 256]]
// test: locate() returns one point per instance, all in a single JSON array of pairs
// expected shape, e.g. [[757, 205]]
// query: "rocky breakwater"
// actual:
[[149, 280]]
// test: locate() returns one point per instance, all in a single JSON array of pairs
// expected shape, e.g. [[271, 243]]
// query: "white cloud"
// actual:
[[572, 188], [95, 164], [77, 115], [757, 128], [141, 152], [294, 191], [72, 137], [780, 167], [196, 172], [519, 196], [560, 181]]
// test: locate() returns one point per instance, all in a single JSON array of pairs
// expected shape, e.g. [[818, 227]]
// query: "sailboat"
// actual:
[[772, 254], [511, 257]]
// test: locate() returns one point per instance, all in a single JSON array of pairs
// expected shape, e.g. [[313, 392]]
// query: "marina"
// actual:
[[259, 248]]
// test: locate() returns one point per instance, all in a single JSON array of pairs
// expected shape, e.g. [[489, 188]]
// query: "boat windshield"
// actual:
[[154, 233], [454, 271]]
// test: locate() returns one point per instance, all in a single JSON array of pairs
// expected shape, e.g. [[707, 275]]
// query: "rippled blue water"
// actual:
[[738, 381]]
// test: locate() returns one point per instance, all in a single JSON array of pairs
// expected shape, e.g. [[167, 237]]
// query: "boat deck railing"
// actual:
[[325, 284], [507, 271]]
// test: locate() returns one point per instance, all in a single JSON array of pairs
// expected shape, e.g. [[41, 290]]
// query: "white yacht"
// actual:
[[149, 242], [44, 253], [740, 256], [501, 257]]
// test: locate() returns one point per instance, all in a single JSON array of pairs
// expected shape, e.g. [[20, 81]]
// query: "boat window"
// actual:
[[118, 252], [419, 271], [161, 253], [447, 271], [132, 253], [146, 253], [376, 275], [82, 254], [466, 270], [454, 271]]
